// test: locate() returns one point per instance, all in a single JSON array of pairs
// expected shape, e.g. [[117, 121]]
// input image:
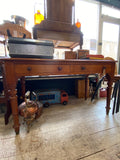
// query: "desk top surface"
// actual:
[[55, 60]]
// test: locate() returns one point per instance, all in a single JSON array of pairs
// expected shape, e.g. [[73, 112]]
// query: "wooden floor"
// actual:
[[79, 130]]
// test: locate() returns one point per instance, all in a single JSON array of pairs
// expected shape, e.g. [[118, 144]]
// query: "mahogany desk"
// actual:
[[17, 68]]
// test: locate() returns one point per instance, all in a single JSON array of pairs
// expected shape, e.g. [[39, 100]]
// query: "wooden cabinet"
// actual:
[[59, 25], [80, 88], [60, 10]]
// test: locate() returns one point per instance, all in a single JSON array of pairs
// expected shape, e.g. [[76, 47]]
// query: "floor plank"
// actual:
[[79, 130]]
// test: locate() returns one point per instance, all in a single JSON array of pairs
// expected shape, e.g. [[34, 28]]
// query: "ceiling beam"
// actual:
[[113, 3]]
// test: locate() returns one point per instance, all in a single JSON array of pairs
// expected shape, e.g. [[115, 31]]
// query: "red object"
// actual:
[[64, 97], [103, 92]]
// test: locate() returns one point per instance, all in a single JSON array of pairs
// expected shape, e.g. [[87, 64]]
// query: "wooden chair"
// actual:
[[15, 30], [116, 80]]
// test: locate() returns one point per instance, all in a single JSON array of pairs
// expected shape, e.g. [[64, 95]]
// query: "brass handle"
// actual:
[[29, 68], [83, 68], [59, 68]]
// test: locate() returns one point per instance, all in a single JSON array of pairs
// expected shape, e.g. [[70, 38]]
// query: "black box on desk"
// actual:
[[30, 48]]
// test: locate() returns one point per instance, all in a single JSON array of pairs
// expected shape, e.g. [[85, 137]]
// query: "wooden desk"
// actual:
[[15, 68]]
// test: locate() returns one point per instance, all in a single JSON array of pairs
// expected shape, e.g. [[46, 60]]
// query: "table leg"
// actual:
[[109, 90], [86, 86], [22, 81], [7, 102], [8, 112], [14, 107]]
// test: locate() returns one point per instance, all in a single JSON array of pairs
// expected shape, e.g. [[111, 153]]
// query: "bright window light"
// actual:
[[110, 12], [87, 13], [23, 8]]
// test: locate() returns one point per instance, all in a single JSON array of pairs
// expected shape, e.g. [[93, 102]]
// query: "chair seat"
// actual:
[[116, 77]]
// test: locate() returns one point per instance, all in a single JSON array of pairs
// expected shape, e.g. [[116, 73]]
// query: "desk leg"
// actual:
[[109, 90], [22, 81], [14, 106], [86, 86], [8, 112]]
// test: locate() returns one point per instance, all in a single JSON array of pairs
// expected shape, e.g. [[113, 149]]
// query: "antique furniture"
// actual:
[[61, 38], [59, 25], [15, 30], [18, 68]]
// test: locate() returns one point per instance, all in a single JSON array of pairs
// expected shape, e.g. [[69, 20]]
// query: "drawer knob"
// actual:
[[83, 68], [29, 68], [59, 68]]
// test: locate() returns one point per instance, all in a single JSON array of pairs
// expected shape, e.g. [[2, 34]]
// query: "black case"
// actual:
[[30, 48]]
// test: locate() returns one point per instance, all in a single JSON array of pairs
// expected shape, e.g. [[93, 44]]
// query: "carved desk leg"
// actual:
[[14, 106], [8, 111], [109, 90], [22, 81], [86, 86]]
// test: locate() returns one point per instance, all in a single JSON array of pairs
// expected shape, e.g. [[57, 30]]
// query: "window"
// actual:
[[23, 8], [110, 12], [87, 13], [110, 40]]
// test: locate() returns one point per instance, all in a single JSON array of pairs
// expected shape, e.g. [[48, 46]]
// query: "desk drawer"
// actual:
[[87, 69], [35, 69]]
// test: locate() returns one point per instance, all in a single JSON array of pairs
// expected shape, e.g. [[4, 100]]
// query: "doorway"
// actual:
[[109, 35], [110, 38]]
